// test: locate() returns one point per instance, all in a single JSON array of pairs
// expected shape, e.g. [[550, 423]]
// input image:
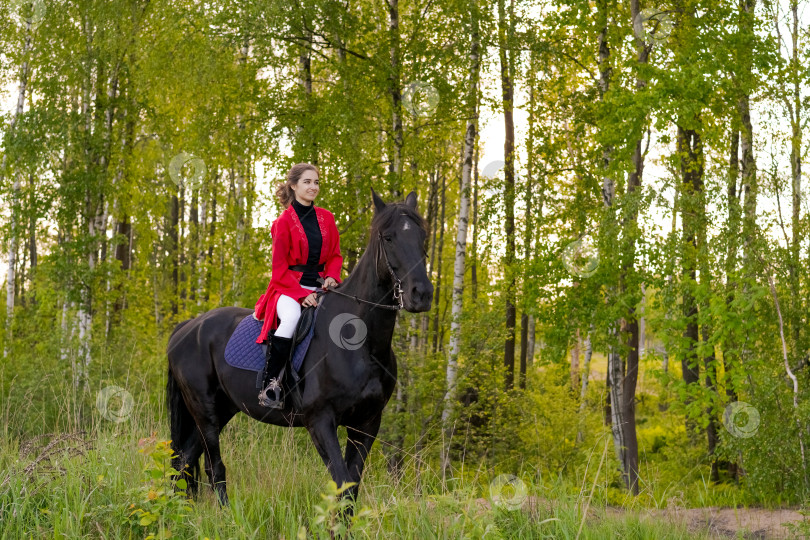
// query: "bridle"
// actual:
[[397, 282]]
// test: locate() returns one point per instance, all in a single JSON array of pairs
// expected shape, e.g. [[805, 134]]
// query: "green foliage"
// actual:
[[162, 504], [330, 517]]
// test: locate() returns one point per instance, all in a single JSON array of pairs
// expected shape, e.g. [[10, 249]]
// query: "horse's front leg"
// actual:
[[323, 430], [358, 446]]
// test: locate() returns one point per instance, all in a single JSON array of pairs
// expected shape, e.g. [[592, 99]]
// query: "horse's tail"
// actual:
[[181, 423]]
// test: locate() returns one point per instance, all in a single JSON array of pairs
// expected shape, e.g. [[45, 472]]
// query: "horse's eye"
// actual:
[[387, 237]]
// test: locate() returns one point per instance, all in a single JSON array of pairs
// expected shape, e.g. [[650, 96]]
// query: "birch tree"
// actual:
[[22, 88], [461, 234]]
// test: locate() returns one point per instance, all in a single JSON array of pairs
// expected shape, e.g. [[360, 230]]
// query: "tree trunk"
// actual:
[[92, 201], [32, 242], [211, 235], [734, 213], [437, 295], [123, 254], [789, 372], [574, 372], [642, 324], [461, 238], [583, 389], [694, 214], [690, 151], [431, 220], [174, 250], [239, 203], [614, 363], [201, 248], [621, 378], [122, 239], [394, 90], [15, 189], [748, 166], [794, 106], [531, 343], [505, 34], [474, 247], [242, 165], [528, 226]]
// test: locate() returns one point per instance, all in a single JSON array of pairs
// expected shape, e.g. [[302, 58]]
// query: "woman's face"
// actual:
[[307, 187]]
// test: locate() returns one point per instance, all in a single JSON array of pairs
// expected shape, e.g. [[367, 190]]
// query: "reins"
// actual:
[[397, 284]]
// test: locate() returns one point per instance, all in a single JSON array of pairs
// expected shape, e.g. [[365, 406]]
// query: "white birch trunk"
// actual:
[[615, 378], [461, 240], [202, 230], [583, 389], [414, 335], [586, 371], [236, 286], [575, 361], [155, 298], [12, 263], [63, 352], [15, 190], [240, 231], [84, 317], [615, 375], [530, 345], [790, 374]]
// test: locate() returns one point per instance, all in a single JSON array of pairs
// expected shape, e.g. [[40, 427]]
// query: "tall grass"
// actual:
[[84, 484]]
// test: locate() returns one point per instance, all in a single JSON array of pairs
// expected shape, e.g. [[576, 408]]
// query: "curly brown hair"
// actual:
[[284, 190]]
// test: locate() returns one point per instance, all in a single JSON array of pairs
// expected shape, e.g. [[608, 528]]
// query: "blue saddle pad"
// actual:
[[243, 352]]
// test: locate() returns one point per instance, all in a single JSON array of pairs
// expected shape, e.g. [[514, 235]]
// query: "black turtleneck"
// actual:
[[306, 214]]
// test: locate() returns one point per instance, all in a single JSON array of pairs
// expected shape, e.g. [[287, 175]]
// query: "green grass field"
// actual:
[[89, 485]]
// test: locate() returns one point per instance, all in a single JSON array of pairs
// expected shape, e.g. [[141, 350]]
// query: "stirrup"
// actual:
[[264, 399]]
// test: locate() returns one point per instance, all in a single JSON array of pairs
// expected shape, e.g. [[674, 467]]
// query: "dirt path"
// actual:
[[746, 523]]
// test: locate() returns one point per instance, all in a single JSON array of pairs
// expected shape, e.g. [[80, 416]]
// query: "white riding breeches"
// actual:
[[289, 311]]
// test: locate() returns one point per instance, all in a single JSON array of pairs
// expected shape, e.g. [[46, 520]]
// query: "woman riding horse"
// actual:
[[306, 246], [347, 378]]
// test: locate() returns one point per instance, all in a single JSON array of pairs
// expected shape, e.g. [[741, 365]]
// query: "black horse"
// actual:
[[346, 381]]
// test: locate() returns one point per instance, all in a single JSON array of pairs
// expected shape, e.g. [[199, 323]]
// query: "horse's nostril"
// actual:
[[421, 294]]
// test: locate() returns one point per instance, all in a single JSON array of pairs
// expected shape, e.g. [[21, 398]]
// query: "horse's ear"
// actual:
[[379, 204], [410, 200]]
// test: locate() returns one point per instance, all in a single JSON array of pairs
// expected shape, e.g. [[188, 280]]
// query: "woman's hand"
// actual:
[[309, 300], [329, 282]]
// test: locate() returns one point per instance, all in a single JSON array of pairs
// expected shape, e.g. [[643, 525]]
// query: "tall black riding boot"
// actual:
[[278, 351]]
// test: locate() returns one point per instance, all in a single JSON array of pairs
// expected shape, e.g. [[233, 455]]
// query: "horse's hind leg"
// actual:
[[189, 455], [214, 466], [211, 413]]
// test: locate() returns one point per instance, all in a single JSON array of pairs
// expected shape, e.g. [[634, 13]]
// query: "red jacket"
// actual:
[[290, 246]]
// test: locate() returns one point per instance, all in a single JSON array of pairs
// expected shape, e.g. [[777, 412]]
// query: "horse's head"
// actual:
[[399, 233]]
